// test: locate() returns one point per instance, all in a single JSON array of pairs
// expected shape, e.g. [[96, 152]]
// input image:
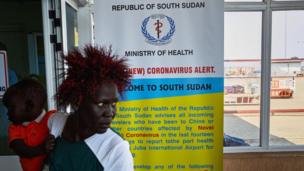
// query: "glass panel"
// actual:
[[242, 78], [287, 85], [72, 27]]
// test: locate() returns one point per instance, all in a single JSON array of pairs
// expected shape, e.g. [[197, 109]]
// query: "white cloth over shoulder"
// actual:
[[110, 149], [56, 123]]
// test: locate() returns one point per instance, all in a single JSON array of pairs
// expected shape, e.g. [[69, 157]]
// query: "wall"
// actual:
[[287, 161], [17, 20]]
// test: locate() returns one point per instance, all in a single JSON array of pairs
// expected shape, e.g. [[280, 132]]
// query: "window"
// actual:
[[287, 81], [264, 75], [242, 75], [72, 27]]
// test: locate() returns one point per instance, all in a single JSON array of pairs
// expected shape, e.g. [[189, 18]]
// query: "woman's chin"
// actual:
[[101, 130]]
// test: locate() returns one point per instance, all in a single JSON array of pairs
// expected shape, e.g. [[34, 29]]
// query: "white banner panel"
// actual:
[[172, 113], [191, 31]]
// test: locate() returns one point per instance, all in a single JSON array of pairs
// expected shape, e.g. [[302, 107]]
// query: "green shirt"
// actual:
[[76, 156]]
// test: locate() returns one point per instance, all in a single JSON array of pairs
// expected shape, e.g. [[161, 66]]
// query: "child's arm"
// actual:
[[23, 150]]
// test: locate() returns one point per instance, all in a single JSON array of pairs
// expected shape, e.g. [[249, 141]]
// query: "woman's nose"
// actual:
[[109, 111]]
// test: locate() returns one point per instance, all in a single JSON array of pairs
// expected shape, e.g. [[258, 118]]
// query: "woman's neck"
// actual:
[[76, 129]]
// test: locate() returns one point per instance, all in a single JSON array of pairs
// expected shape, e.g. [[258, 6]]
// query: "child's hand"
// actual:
[[49, 143]]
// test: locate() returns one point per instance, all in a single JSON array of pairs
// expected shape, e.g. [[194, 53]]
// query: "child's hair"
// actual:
[[2, 46], [30, 90], [86, 72]]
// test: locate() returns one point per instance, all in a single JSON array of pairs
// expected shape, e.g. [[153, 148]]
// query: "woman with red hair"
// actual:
[[83, 139]]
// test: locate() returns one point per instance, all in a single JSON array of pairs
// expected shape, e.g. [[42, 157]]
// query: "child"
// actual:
[[28, 134]]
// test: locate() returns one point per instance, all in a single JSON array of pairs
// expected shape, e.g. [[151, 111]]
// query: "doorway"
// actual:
[[21, 37]]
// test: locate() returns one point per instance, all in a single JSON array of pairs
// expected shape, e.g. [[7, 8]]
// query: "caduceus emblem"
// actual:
[[158, 29], [158, 25]]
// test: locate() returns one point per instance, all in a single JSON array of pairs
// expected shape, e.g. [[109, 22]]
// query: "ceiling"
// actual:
[[21, 1]]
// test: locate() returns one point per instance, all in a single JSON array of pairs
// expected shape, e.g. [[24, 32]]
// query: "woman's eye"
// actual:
[[100, 104]]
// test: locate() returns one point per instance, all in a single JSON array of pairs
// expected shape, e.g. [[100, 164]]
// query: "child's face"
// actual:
[[19, 111]]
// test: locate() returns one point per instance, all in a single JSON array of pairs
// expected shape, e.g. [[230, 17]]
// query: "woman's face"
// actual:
[[99, 110]]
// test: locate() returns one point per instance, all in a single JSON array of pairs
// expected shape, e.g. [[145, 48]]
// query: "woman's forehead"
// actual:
[[106, 90]]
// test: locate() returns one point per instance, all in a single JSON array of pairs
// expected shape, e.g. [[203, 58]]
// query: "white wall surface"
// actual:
[[85, 26], [10, 163]]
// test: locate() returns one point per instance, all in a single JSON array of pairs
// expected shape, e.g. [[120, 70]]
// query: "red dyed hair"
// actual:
[[87, 72]]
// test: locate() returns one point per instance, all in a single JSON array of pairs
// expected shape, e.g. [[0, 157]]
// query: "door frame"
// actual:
[[51, 64], [49, 53]]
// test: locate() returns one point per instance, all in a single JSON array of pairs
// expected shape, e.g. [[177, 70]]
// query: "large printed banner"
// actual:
[[3, 73], [172, 113]]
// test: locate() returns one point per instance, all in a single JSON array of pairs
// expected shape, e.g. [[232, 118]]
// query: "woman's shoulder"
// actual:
[[107, 142], [110, 139], [111, 150], [114, 136]]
